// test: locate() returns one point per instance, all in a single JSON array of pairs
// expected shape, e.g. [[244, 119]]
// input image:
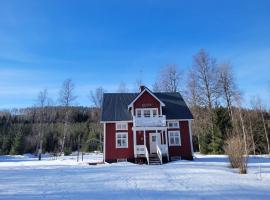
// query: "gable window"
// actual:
[[146, 112], [121, 126], [174, 138], [139, 112], [155, 113], [173, 124], [121, 140]]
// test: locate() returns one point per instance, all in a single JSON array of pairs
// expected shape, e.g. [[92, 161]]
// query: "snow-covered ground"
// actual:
[[208, 177]]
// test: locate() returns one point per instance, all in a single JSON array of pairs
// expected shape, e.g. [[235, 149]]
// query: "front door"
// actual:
[[153, 142]]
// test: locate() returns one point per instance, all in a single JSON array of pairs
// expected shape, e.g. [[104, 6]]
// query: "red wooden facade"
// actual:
[[146, 100]]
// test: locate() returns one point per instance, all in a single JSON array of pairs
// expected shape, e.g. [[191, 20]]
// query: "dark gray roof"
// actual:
[[115, 106]]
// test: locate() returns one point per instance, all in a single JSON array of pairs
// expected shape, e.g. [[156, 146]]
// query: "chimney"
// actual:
[[142, 87]]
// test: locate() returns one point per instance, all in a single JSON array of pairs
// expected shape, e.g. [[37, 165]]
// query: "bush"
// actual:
[[235, 149]]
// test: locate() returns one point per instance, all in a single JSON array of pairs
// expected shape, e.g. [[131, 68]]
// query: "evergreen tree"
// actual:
[[216, 145], [204, 142], [18, 145]]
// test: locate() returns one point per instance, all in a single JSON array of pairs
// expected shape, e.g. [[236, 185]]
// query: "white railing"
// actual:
[[159, 153], [146, 154], [140, 150], [163, 148], [149, 121]]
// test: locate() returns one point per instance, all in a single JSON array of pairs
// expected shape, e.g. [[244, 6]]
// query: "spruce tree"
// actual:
[[18, 145]]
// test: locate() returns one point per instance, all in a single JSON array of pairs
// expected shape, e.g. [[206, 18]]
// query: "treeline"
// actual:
[[208, 86], [216, 103], [20, 131], [211, 91], [207, 143]]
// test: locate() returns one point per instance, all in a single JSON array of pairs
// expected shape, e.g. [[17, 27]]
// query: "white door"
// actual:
[[153, 142]]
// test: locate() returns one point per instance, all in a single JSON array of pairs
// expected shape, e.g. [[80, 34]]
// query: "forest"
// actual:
[[209, 88]]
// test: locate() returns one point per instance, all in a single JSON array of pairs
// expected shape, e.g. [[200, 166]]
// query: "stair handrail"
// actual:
[[159, 153], [146, 154]]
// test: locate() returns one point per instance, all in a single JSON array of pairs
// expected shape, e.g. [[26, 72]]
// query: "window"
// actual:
[[154, 138], [154, 113], [173, 124], [174, 138], [121, 140], [139, 112], [121, 126], [146, 112]]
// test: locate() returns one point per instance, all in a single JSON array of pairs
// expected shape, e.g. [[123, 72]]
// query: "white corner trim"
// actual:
[[190, 137], [104, 142]]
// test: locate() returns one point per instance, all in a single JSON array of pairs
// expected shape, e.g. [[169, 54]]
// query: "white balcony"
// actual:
[[157, 121]]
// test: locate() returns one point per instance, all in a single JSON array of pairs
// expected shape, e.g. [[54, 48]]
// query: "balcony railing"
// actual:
[[150, 121]]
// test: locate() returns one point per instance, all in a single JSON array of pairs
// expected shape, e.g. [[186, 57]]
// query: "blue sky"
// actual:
[[103, 43]]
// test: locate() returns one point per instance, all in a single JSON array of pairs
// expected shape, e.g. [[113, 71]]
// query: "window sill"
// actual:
[[121, 147]]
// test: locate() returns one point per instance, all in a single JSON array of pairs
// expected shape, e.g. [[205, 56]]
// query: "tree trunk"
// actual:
[[265, 132]]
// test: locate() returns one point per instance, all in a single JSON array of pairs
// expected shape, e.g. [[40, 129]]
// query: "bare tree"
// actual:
[[66, 94], [168, 79], [42, 102], [66, 99], [203, 85], [257, 105], [156, 88], [97, 96], [122, 88], [139, 81], [227, 85], [242, 124], [205, 72]]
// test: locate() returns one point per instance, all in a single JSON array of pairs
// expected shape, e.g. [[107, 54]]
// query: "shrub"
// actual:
[[235, 149]]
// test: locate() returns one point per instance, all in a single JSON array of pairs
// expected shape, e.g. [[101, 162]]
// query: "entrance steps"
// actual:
[[154, 159]]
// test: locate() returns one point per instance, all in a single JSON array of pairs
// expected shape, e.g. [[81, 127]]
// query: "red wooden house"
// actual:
[[146, 127]]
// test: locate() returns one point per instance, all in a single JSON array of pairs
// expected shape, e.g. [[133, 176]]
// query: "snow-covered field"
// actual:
[[208, 177]]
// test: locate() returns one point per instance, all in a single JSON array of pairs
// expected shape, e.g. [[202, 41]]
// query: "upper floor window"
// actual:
[[173, 124], [174, 138], [139, 113], [146, 112], [155, 113], [121, 126]]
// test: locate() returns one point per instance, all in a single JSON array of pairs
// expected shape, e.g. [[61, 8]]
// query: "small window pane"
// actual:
[[154, 113], [171, 140], [139, 113], [119, 142], [146, 113], [177, 140]]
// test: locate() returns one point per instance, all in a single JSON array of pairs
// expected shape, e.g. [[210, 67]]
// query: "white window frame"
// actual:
[[173, 124], [121, 126], [173, 134], [151, 112], [116, 138]]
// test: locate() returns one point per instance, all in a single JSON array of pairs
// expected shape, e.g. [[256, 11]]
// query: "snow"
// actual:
[[207, 177]]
